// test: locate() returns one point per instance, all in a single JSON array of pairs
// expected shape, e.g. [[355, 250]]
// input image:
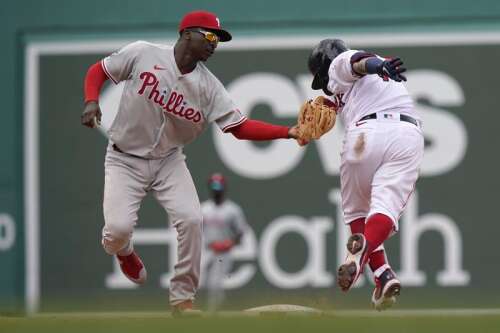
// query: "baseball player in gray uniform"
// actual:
[[223, 226], [380, 159], [169, 98]]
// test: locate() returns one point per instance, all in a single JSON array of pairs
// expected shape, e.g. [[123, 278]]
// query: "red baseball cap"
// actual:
[[217, 182], [207, 20]]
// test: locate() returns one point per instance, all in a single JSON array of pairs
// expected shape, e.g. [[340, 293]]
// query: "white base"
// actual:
[[283, 308]]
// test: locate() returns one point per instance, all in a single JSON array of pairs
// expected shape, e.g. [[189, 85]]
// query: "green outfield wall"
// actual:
[[51, 175]]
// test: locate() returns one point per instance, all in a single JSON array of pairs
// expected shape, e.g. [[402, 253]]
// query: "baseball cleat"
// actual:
[[349, 272], [185, 309], [133, 268], [387, 287]]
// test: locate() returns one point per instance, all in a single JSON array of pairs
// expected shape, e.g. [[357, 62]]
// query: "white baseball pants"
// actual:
[[380, 162]]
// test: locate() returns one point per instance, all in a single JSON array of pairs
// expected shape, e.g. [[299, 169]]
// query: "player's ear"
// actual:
[[186, 34]]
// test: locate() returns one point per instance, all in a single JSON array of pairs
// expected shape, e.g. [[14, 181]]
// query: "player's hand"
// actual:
[[293, 133], [391, 69], [91, 116]]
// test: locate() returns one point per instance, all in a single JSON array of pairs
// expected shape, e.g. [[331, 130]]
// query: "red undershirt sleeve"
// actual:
[[259, 131], [94, 80]]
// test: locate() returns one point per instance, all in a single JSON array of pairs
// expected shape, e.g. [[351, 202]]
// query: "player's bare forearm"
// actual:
[[360, 67]]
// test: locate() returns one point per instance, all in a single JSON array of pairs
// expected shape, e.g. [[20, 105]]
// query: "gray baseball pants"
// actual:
[[127, 181]]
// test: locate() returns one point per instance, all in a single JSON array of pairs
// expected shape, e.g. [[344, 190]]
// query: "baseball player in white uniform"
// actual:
[[169, 98], [380, 159], [223, 226]]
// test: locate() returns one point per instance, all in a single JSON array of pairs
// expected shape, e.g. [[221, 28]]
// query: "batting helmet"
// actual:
[[320, 59]]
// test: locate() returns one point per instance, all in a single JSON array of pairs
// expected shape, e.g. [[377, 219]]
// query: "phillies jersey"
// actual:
[[220, 222], [162, 109], [359, 96]]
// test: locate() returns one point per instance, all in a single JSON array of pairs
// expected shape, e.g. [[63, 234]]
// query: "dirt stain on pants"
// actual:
[[359, 146]]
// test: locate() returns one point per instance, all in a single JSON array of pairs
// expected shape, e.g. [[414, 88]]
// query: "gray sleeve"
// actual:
[[120, 65], [230, 120], [220, 106]]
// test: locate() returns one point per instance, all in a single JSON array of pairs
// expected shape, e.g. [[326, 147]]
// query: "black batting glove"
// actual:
[[391, 69]]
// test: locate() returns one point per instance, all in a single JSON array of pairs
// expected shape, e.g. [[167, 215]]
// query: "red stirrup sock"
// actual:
[[377, 260], [357, 226], [377, 229]]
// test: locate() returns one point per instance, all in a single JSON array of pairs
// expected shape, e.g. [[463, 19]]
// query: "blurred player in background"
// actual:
[[380, 159], [223, 226]]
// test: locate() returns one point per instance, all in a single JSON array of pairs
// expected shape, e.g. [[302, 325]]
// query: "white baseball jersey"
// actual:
[[380, 158], [224, 221], [361, 96], [162, 109]]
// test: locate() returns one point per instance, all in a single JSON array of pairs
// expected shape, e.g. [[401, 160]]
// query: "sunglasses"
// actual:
[[209, 35]]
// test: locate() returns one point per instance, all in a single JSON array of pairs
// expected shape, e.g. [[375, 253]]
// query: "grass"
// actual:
[[400, 321]]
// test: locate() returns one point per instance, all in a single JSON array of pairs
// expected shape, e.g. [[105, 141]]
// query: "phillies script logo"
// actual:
[[175, 103]]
